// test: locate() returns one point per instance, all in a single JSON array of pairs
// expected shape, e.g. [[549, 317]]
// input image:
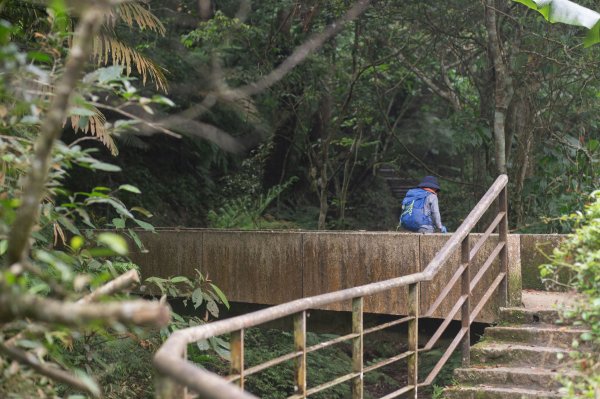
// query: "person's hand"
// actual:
[[444, 229]]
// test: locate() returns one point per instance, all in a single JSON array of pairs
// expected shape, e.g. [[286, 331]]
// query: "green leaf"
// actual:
[[197, 298], [89, 382], [528, 3], [119, 207], [177, 317], [29, 344], [593, 36], [203, 345], [39, 288], [162, 100], [106, 167], [110, 73], [39, 57], [69, 225], [130, 188], [570, 13], [114, 241], [119, 223], [221, 295], [158, 282], [80, 111], [212, 307], [179, 279], [58, 10], [142, 211], [137, 241], [221, 347], [144, 225], [3, 247]]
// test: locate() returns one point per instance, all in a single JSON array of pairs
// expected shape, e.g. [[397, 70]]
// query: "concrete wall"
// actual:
[[274, 267], [535, 249]]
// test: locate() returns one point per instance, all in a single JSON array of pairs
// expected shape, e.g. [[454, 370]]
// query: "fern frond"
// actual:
[[108, 49], [95, 126], [135, 13]]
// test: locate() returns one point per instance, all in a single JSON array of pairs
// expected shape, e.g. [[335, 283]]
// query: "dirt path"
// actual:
[[544, 300]]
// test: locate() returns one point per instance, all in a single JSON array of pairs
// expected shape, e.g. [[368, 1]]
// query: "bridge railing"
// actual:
[[178, 376]]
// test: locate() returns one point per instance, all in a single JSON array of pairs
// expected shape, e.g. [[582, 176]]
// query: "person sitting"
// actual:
[[420, 209]]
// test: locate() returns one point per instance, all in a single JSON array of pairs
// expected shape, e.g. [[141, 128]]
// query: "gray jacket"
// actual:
[[432, 209]]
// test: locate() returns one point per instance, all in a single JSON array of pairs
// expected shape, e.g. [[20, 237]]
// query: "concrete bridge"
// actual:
[[274, 267], [414, 276]]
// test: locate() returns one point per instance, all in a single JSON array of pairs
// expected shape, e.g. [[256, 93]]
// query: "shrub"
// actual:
[[579, 258]]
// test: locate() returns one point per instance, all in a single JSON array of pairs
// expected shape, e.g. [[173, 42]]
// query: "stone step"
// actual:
[[494, 392], [499, 353], [531, 316], [517, 377], [540, 335]]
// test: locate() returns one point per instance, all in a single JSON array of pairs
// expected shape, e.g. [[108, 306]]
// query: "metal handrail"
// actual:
[[177, 374]]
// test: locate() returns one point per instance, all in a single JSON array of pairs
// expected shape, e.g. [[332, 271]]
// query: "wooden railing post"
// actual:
[[503, 236], [413, 337], [357, 347], [300, 346], [237, 355], [466, 306]]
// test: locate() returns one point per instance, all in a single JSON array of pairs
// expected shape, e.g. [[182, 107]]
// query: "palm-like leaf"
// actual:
[[108, 49], [567, 12], [96, 126], [135, 13]]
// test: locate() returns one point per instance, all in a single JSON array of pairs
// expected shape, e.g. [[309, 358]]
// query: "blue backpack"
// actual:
[[413, 210]]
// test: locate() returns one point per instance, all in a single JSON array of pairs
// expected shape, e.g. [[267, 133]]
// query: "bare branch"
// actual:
[[185, 126], [119, 284], [137, 118], [304, 50], [207, 132], [49, 370], [138, 312], [448, 95], [223, 92]]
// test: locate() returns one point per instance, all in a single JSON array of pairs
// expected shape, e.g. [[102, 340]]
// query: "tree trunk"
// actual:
[[325, 117], [503, 90], [206, 9], [349, 165]]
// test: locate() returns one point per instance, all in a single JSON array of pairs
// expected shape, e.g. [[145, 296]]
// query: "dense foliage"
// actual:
[[577, 261], [55, 265], [410, 86]]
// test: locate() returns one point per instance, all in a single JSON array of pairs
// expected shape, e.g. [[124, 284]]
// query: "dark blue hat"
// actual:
[[429, 182]]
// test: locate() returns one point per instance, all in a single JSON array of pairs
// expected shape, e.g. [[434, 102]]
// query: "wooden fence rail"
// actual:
[[178, 376]]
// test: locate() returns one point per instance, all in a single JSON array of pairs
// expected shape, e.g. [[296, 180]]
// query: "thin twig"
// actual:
[[137, 118], [121, 283]]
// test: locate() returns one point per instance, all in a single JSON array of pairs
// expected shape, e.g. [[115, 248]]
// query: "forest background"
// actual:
[[411, 86]]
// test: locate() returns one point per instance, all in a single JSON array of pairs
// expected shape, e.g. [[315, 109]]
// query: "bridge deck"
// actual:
[[273, 267]]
